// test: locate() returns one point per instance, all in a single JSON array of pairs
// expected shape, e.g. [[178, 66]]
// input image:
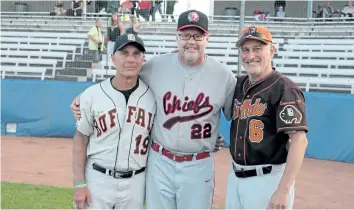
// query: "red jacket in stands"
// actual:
[[145, 5]]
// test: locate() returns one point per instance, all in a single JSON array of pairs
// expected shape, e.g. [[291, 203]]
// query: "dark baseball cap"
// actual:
[[193, 18], [259, 33], [125, 39]]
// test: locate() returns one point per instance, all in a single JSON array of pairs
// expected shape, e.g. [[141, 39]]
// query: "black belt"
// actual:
[[250, 173], [117, 174]]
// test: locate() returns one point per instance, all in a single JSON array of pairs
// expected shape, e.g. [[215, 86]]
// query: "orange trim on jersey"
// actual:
[[267, 87], [245, 136], [292, 128], [244, 88], [252, 85]]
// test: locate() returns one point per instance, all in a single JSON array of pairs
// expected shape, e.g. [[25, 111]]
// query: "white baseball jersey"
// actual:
[[189, 101], [113, 126]]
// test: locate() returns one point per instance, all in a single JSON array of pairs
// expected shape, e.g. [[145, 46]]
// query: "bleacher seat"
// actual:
[[40, 54], [25, 70], [51, 41], [315, 63], [320, 48], [17, 62], [42, 48]]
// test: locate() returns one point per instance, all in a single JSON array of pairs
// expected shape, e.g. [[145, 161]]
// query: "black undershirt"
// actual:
[[127, 93]]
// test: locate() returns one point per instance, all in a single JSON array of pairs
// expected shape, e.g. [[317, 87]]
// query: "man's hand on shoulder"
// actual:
[[75, 108], [219, 143]]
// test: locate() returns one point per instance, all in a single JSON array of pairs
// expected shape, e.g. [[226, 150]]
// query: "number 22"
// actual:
[[200, 132]]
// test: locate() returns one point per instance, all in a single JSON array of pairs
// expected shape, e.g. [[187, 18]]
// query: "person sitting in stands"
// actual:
[[280, 12], [76, 8], [58, 9], [348, 10]]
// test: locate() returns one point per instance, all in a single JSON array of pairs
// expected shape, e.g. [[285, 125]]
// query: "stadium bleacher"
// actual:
[[318, 56]]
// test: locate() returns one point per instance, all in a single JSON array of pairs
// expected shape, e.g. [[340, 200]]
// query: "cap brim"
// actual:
[[140, 46], [190, 26], [241, 41]]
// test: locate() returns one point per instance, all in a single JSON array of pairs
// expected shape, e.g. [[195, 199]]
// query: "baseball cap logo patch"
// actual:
[[131, 37], [252, 30], [193, 16]]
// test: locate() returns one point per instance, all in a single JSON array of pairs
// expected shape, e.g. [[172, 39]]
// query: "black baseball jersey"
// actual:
[[263, 114]]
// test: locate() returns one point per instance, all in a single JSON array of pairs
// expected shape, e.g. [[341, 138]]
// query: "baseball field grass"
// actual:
[[27, 196]]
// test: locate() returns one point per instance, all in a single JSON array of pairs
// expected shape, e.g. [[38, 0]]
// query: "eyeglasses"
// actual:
[[196, 37]]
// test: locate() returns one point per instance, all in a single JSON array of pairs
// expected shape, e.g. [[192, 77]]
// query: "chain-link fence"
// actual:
[[310, 40], [50, 39], [59, 38]]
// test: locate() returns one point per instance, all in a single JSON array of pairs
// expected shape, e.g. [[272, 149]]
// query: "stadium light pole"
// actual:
[[240, 27]]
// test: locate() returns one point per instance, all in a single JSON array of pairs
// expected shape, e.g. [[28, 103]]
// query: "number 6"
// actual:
[[256, 131]]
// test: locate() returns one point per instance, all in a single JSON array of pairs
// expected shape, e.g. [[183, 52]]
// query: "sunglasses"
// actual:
[[254, 34]]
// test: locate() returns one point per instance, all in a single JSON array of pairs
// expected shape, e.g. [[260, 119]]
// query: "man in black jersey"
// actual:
[[268, 113]]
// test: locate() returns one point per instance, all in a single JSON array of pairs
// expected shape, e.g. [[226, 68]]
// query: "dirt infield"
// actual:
[[320, 184]]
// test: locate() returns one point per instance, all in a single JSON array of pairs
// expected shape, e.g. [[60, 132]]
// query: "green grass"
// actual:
[[26, 196]]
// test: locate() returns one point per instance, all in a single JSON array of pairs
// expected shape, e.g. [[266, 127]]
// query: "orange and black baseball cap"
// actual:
[[193, 18], [259, 33]]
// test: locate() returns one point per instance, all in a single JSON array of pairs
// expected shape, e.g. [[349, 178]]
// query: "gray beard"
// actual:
[[191, 58]]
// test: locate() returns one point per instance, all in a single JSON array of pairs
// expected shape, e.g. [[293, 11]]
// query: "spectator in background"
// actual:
[[156, 7], [259, 15], [96, 43], [76, 8], [135, 9], [113, 32], [58, 9], [327, 11], [278, 4], [280, 12], [348, 10], [113, 6], [100, 6], [145, 9], [126, 8], [134, 26], [170, 8]]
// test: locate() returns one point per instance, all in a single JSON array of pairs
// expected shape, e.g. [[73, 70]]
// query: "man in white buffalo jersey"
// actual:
[[112, 138]]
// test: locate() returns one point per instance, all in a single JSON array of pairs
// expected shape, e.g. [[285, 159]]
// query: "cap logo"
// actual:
[[193, 16], [252, 30], [131, 37]]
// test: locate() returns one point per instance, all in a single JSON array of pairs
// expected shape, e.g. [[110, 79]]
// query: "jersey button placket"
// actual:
[[239, 154], [186, 92]]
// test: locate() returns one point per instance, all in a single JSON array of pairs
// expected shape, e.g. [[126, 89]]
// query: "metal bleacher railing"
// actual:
[[318, 55]]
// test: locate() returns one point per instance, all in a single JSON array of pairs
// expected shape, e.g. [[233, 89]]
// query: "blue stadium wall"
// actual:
[[41, 108]]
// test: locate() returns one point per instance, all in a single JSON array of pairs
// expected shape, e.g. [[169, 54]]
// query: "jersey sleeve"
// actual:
[[230, 88], [146, 72], [85, 123], [291, 111]]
